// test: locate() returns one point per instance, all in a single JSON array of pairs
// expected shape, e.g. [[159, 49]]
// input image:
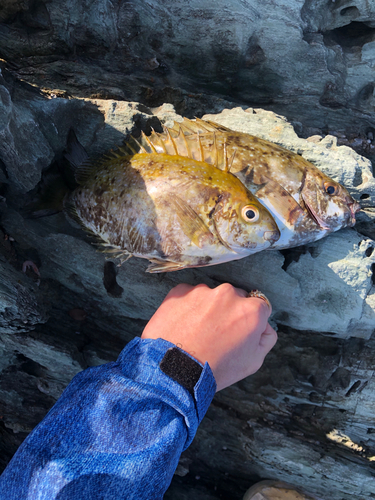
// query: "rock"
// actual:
[[84, 309], [312, 61]]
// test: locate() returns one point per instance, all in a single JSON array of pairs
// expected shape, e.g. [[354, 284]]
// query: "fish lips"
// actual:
[[354, 209], [271, 236]]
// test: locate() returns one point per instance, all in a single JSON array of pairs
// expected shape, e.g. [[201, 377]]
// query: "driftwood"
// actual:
[[307, 416]]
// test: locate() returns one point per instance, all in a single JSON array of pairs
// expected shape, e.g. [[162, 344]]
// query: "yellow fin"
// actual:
[[171, 140], [198, 143], [160, 143], [182, 144], [136, 145], [198, 126], [161, 266], [188, 127], [211, 126], [190, 222], [226, 164], [147, 141]]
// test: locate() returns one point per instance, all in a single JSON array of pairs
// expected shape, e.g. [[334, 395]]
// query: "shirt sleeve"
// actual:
[[116, 432]]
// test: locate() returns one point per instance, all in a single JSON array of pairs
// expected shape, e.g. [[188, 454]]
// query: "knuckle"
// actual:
[[201, 285], [255, 305], [225, 288], [199, 289], [275, 338], [258, 306]]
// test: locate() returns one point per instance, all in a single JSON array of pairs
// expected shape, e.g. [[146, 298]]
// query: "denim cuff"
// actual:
[[140, 361]]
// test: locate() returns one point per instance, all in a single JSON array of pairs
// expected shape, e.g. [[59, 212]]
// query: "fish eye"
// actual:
[[250, 213], [330, 188]]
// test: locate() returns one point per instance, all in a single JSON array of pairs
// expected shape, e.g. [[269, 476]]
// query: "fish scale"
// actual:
[[295, 191], [175, 211]]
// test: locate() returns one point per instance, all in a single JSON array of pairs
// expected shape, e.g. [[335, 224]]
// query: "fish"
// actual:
[[175, 211], [305, 203]]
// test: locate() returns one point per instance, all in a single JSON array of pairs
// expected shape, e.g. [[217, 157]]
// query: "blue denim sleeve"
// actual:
[[116, 432]]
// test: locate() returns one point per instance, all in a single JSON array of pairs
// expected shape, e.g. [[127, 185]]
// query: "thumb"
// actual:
[[268, 339]]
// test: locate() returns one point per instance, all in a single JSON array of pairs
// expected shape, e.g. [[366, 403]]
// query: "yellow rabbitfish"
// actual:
[[174, 211], [305, 203]]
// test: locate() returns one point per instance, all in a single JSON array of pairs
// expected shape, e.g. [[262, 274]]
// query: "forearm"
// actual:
[[116, 432]]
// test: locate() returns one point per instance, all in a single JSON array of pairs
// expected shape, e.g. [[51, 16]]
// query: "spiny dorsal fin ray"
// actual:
[[160, 141], [191, 127], [200, 147], [172, 142], [188, 127], [197, 146], [183, 143], [148, 141], [211, 126], [230, 162], [136, 144], [226, 164]]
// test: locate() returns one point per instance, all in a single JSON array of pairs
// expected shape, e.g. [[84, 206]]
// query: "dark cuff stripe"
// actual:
[[181, 368]]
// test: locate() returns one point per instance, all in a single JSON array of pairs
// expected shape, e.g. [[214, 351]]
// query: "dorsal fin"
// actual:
[[211, 126], [226, 164], [148, 141], [87, 169], [77, 158], [191, 127], [230, 163], [157, 141], [160, 141], [200, 147], [137, 144], [128, 146], [181, 139], [172, 142], [199, 126]]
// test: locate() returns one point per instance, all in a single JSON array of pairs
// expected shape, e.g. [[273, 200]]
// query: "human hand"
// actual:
[[221, 326]]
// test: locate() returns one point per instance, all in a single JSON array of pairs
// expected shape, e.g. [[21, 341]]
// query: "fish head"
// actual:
[[329, 203], [244, 225]]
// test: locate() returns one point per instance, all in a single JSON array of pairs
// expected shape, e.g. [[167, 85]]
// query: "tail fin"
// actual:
[[75, 152], [50, 197], [56, 183]]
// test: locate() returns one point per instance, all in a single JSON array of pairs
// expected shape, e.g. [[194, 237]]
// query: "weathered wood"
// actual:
[[307, 416]]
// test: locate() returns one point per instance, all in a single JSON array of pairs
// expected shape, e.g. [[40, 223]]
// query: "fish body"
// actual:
[[175, 211], [305, 203]]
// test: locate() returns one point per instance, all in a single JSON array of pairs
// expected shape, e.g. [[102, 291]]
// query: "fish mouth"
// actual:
[[354, 208], [271, 236], [320, 222]]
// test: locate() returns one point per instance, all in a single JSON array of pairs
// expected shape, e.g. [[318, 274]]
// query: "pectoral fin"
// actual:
[[190, 222], [161, 266]]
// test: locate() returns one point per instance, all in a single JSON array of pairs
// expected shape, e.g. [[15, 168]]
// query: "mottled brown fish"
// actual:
[[305, 203], [175, 211]]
